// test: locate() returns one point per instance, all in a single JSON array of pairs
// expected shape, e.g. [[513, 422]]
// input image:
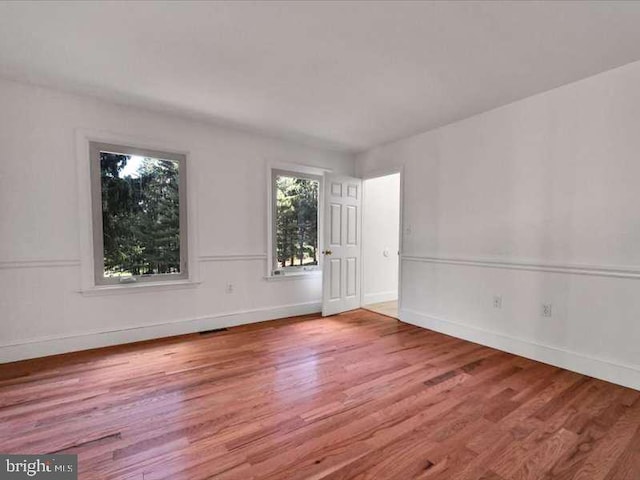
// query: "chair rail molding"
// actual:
[[232, 257], [39, 263], [530, 265]]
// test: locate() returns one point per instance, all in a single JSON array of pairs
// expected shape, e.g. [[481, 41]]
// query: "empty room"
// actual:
[[320, 240]]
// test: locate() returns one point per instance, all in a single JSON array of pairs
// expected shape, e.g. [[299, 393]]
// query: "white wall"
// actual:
[[41, 308], [380, 233], [539, 202]]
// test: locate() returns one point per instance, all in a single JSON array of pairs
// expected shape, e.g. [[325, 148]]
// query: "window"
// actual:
[[139, 214], [295, 222]]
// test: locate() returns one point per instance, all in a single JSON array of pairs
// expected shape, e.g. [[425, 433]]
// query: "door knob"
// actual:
[[327, 252]]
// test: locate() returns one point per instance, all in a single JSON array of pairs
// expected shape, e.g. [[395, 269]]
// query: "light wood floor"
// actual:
[[357, 395], [390, 309]]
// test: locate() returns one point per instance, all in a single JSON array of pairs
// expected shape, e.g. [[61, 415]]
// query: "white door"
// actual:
[[341, 235]]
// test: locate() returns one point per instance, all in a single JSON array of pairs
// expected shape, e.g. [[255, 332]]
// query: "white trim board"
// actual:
[[621, 374], [83, 138], [44, 263], [575, 269], [238, 257], [53, 345], [315, 171], [369, 298], [75, 262]]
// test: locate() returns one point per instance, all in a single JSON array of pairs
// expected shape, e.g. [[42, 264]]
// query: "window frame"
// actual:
[[307, 173], [95, 147]]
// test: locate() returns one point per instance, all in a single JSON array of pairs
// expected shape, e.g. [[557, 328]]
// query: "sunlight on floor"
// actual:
[[385, 308]]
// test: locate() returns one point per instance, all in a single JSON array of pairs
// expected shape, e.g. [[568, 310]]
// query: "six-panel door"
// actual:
[[341, 246]]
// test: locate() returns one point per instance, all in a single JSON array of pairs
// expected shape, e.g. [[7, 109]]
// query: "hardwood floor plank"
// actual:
[[628, 464], [353, 396]]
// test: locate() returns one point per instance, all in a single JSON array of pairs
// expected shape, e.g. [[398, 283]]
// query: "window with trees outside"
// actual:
[[295, 222], [139, 214]]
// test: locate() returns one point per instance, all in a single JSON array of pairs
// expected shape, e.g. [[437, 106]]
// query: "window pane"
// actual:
[[296, 222], [140, 215]]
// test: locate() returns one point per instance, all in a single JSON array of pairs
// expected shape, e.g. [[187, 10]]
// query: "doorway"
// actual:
[[381, 216]]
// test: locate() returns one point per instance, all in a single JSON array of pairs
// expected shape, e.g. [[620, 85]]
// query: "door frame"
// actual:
[[377, 173]]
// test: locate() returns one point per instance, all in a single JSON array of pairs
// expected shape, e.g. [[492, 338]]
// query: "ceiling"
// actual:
[[350, 75]]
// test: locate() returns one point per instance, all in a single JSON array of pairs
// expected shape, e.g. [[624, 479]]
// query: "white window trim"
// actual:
[[96, 191], [293, 169], [88, 285]]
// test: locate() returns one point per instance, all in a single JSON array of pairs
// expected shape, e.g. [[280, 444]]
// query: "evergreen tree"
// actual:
[[140, 216], [296, 221]]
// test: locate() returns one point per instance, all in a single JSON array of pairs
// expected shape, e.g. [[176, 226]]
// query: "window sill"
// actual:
[[294, 276], [138, 287]]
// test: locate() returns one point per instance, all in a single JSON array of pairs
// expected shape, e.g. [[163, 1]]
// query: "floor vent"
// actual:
[[215, 330]]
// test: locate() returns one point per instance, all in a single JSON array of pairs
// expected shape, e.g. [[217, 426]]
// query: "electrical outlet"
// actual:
[[229, 288], [497, 301], [546, 310]]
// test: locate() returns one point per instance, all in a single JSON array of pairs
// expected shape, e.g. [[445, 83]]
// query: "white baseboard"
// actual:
[[44, 346], [626, 375], [369, 298]]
